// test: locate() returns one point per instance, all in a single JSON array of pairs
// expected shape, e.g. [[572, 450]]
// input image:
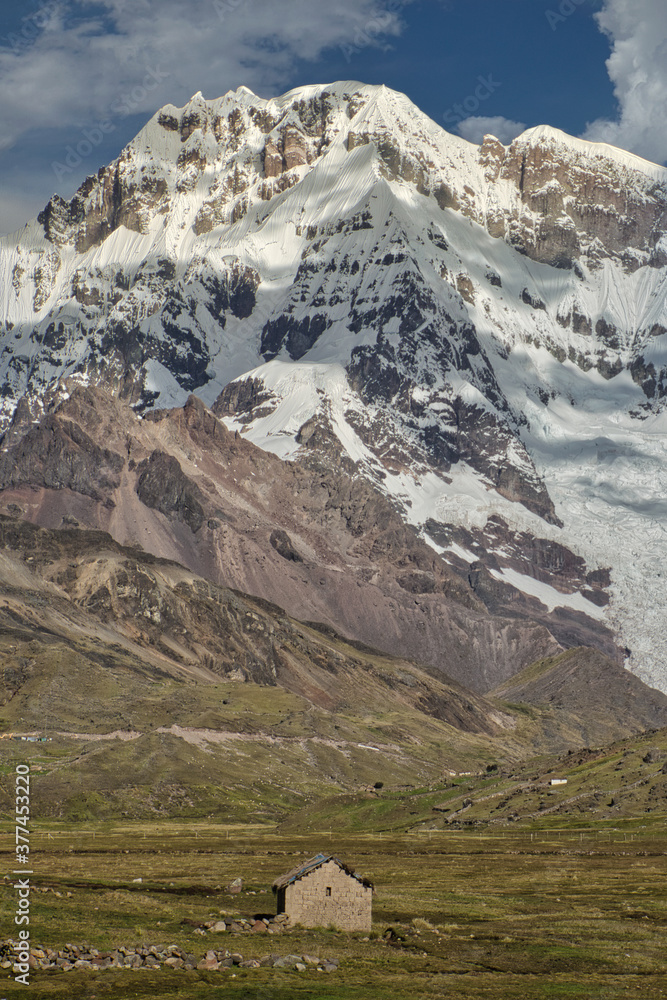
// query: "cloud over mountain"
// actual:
[[64, 69], [72, 67], [637, 66], [474, 129]]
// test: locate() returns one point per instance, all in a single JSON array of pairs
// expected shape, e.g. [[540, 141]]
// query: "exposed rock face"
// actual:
[[112, 198], [273, 160], [163, 486], [193, 628], [247, 399], [544, 559], [553, 200], [321, 541], [291, 151], [282, 543], [58, 454], [22, 422], [297, 336], [496, 549], [580, 206]]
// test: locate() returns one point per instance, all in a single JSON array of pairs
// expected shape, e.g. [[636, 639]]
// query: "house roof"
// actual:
[[308, 866]]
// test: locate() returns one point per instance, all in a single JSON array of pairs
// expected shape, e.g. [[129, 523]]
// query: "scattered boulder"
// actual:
[[284, 546], [287, 961], [163, 486], [210, 964]]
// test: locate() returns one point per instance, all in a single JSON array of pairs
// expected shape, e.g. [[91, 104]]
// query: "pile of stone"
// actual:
[[220, 959], [241, 925], [74, 957]]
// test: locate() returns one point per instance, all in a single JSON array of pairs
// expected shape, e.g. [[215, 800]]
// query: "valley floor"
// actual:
[[551, 910]]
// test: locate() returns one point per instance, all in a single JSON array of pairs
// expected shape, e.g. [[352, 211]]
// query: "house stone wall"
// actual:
[[348, 906]]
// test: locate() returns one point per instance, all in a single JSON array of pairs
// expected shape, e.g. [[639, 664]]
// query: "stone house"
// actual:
[[324, 891]]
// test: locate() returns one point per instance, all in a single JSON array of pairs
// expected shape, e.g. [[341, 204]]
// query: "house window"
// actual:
[[328, 890]]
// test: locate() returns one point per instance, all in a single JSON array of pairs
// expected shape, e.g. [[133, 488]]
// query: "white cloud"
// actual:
[[637, 66], [72, 72], [129, 57], [474, 129]]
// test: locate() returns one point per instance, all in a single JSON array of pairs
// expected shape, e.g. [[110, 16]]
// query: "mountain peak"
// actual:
[[546, 134], [480, 331]]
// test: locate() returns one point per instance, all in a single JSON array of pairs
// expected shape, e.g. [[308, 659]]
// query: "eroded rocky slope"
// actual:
[[311, 536], [155, 688]]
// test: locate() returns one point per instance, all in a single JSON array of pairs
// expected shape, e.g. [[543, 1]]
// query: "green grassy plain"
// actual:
[[554, 911], [494, 883]]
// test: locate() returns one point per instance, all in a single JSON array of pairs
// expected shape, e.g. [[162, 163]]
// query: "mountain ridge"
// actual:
[[154, 686], [320, 539], [481, 331]]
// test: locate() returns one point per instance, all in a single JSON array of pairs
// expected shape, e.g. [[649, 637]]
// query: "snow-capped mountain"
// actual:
[[482, 331]]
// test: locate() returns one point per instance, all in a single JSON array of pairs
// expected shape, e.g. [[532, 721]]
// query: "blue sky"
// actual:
[[89, 74]]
